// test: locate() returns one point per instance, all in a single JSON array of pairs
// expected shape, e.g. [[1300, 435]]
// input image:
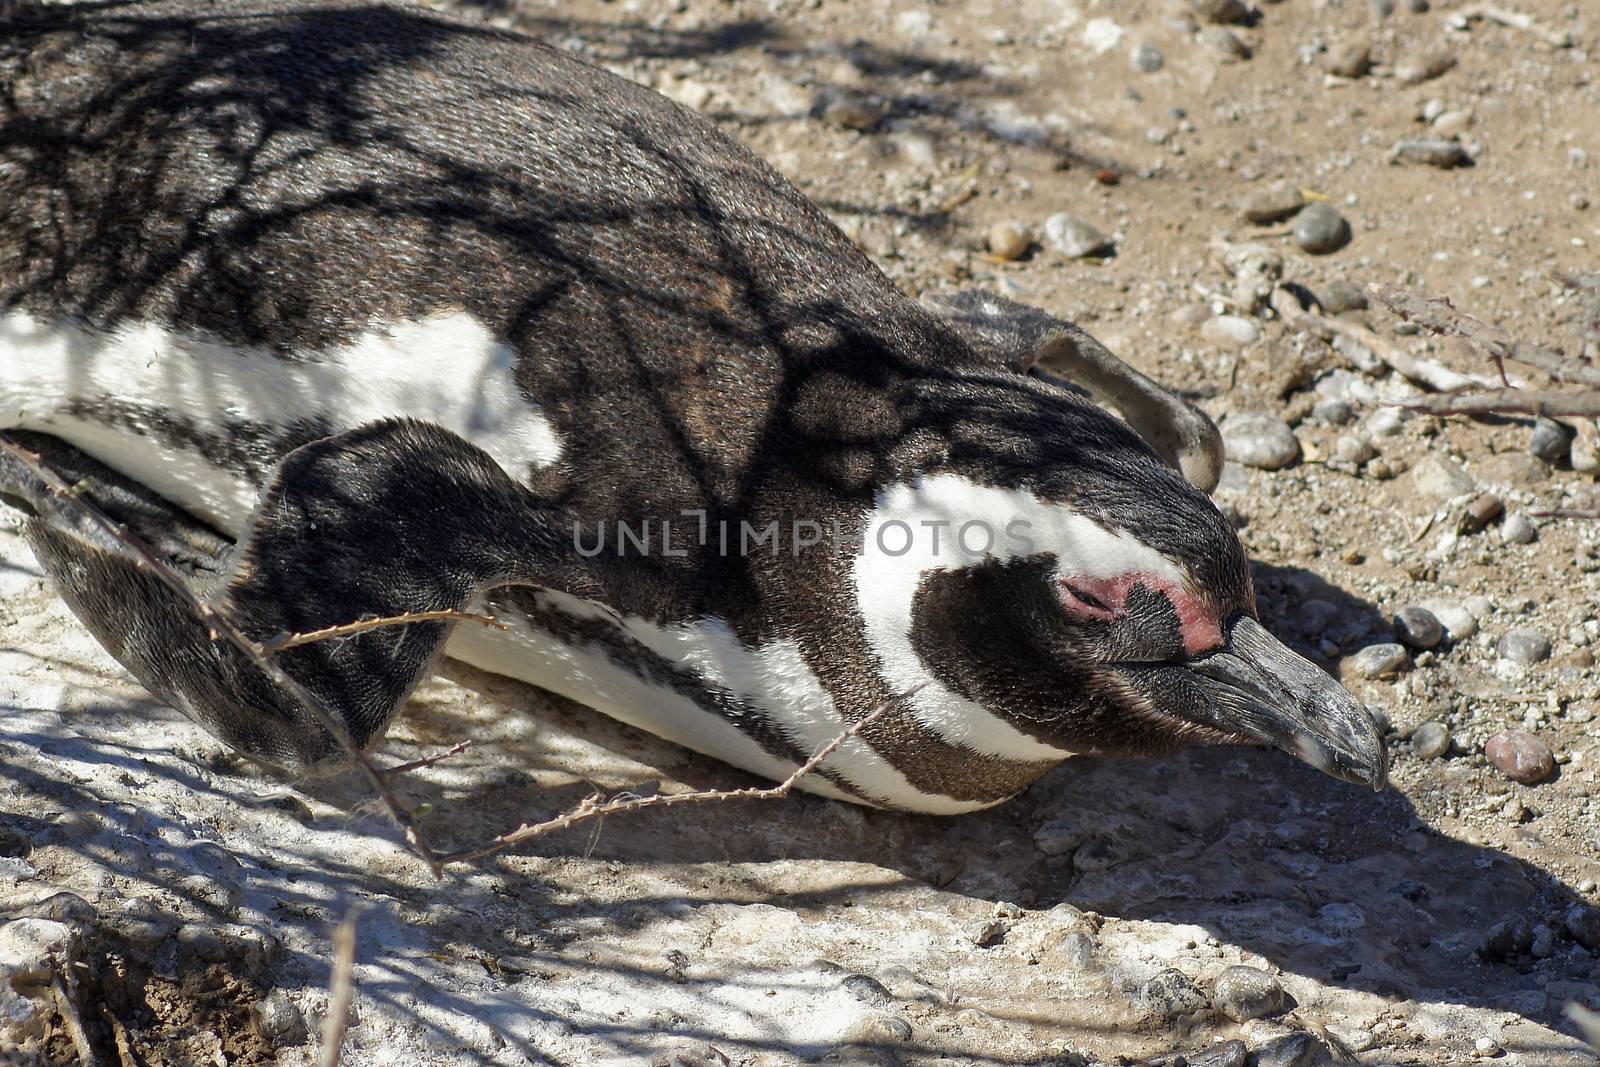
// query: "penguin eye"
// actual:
[[1091, 598]]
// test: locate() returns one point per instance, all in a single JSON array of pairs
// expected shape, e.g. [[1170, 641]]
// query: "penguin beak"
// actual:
[[1259, 688]]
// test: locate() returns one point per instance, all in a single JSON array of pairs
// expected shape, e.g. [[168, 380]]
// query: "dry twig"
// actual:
[[328, 633], [595, 807], [74, 1023], [1514, 19], [340, 990]]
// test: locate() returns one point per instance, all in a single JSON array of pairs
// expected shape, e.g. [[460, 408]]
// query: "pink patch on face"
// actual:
[[1106, 599]]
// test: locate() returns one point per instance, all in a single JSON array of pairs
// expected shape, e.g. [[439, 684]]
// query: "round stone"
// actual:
[[1583, 923], [1147, 58], [1333, 410], [1349, 60], [1298, 1049], [1418, 627], [1348, 448], [1518, 530], [1274, 203], [1075, 237], [1431, 740], [278, 1021], [1423, 66], [1439, 478], [1230, 331], [1320, 229], [1171, 995], [1524, 646], [1257, 439], [1520, 756], [1551, 442], [1340, 296], [1009, 240], [1375, 661], [1245, 993]]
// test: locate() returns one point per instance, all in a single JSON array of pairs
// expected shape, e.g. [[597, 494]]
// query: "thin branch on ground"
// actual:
[[340, 990], [1516, 20], [595, 806], [74, 1023], [1423, 372], [1551, 403]]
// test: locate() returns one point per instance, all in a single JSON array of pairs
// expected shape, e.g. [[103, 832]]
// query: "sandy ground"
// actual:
[[805, 930]]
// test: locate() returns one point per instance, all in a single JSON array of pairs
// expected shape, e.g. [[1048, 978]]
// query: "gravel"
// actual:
[[1273, 203], [1518, 530], [1524, 646], [1439, 478], [1375, 661], [1075, 237], [1230, 331], [1261, 440], [1423, 66], [1431, 740], [1418, 627], [1321, 230], [1431, 151], [1521, 756], [1009, 240]]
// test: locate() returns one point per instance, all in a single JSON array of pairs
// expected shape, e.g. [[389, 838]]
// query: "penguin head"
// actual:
[[1061, 586]]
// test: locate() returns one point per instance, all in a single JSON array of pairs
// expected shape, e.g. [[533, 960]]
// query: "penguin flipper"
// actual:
[[1028, 340], [391, 518]]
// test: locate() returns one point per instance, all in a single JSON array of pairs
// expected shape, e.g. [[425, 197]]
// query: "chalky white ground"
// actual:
[[734, 926]]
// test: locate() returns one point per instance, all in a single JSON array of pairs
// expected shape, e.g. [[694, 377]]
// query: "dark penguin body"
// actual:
[[417, 313]]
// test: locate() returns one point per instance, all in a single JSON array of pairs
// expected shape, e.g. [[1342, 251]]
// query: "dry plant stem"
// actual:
[[340, 990], [391, 773], [220, 625], [1438, 315], [283, 641], [120, 1034], [594, 807], [1527, 401], [1421, 371], [1517, 21], [74, 1023]]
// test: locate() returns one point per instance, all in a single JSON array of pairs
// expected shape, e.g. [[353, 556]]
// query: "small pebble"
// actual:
[[1147, 58], [1459, 623], [1451, 123], [278, 1021], [1333, 411], [987, 932], [1386, 422], [853, 114], [1375, 661], [868, 990], [1418, 627], [1009, 240], [1521, 756], [1431, 151], [1226, 12], [1171, 994], [1075, 237], [1348, 448], [1481, 511], [1416, 69], [1227, 42], [1524, 646], [1319, 229], [1245, 993], [1518, 530], [1230, 331], [1551, 442], [1431, 740], [1222, 1054], [1260, 440], [1274, 203], [1583, 923], [1485, 1047], [1439, 478], [1349, 60], [1339, 296], [1298, 1049]]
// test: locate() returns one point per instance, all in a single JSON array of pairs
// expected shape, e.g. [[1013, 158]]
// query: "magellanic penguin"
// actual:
[[353, 310]]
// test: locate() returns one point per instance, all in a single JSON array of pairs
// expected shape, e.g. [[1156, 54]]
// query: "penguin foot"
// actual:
[[392, 518]]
